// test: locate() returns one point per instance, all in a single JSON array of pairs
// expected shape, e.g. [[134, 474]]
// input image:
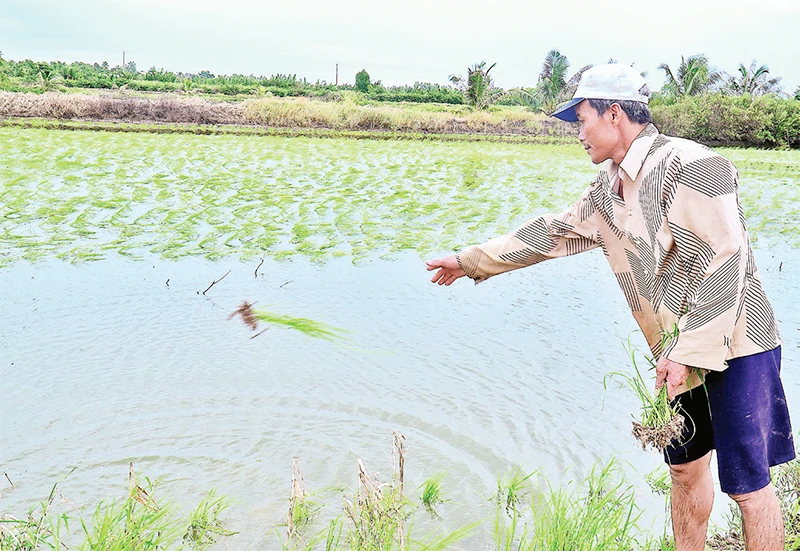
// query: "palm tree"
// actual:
[[478, 89], [753, 81], [553, 86], [694, 76]]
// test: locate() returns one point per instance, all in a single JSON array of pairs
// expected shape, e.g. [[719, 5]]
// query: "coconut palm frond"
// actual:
[[693, 76], [753, 80]]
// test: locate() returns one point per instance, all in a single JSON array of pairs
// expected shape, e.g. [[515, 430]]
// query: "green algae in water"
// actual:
[[83, 195]]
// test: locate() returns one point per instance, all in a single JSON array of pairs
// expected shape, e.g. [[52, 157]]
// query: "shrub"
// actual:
[[362, 81], [764, 121]]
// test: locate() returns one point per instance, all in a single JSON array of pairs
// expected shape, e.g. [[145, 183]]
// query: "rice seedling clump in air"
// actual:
[[251, 317]]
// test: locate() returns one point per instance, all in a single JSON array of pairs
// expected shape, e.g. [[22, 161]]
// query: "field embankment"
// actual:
[[288, 113], [712, 119]]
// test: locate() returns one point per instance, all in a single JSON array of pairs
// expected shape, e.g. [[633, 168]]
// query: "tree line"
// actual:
[[555, 84], [692, 77]]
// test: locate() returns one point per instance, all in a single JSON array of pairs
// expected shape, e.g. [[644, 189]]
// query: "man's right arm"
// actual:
[[548, 236]]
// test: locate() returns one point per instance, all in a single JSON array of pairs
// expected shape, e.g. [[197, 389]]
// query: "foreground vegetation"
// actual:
[[597, 513]]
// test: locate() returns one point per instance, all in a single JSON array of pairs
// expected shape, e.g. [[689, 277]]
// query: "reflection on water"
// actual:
[[118, 360]]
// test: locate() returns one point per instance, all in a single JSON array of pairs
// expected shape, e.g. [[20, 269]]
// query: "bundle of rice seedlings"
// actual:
[[251, 317], [660, 423]]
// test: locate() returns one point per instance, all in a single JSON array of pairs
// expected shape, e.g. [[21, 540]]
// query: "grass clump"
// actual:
[[137, 523], [786, 478], [602, 516], [205, 525], [512, 489], [597, 513], [36, 531], [377, 516], [431, 494]]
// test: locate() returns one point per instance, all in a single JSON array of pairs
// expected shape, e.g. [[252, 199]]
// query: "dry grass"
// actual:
[[344, 114], [56, 105]]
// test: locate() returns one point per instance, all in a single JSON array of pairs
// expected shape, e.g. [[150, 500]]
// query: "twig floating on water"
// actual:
[[257, 334], [259, 265], [287, 283], [167, 282], [9, 480], [216, 281]]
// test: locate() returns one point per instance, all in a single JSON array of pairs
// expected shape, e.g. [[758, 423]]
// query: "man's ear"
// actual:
[[615, 113]]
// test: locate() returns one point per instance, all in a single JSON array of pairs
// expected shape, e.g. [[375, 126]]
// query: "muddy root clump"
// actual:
[[245, 310], [661, 436]]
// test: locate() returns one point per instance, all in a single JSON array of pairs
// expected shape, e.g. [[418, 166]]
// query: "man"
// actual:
[[666, 214]]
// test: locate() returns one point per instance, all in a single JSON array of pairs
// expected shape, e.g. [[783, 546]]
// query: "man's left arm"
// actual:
[[708, 233]]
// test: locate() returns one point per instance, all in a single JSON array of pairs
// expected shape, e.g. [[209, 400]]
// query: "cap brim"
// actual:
[[567, 111]]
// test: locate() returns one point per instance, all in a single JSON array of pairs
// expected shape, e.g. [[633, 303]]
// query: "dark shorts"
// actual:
[[742, 413]]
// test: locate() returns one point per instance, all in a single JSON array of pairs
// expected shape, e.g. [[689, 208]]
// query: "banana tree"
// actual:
[[753, 80]]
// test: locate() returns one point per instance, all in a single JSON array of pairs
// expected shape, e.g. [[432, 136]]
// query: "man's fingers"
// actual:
[[430, 265], [674, 380]]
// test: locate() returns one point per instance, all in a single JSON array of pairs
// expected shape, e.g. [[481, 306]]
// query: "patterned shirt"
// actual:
[[669, 221]]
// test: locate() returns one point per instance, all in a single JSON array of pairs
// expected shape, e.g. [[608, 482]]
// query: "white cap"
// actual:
[[610, 81]]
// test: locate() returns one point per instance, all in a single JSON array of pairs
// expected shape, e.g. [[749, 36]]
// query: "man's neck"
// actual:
[[628, 133]]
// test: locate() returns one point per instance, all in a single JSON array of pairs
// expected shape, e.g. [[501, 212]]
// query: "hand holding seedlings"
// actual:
[[672, 373]]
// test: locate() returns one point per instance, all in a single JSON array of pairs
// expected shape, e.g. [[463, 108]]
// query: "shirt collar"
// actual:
[[634, 159]]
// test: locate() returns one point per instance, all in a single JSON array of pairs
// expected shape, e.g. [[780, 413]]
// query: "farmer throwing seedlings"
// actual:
[[665, 212]]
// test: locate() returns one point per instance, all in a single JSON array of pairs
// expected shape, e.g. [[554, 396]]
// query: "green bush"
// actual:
[[419, 93], [154, 86], [764, 121], [362, 81]]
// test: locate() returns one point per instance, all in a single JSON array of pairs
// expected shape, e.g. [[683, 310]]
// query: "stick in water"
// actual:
[[216, 281]]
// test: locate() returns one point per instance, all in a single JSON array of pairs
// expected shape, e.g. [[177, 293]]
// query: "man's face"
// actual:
[[598, 135]]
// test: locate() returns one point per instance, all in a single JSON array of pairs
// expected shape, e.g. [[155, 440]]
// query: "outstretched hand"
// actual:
[[671, 373], [448, 267]]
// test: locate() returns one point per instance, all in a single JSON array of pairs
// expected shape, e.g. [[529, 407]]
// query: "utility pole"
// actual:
[[123, 59], [337, 74]]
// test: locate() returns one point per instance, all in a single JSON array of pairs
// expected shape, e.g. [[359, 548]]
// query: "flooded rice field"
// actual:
[[112, 353]]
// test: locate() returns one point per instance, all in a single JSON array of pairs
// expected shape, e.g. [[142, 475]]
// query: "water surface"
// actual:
[[123, 359]]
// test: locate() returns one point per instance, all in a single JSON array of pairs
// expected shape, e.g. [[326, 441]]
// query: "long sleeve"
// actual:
[[548, 236], [709, 236]]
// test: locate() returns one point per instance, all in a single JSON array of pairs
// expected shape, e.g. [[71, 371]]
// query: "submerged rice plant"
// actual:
[[177, 195], [205, 526], [431, 493]]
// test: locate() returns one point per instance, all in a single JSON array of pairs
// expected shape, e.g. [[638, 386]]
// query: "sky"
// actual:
[[402, 42]]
